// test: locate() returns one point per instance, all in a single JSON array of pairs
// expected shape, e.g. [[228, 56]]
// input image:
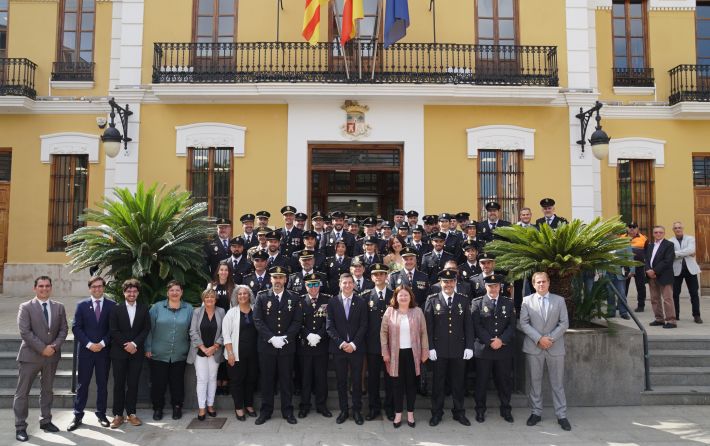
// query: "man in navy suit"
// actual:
[[659, 258], [346, 325], [92, 333]]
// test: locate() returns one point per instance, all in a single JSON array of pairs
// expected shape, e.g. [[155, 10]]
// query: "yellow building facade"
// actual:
[[477, 102]]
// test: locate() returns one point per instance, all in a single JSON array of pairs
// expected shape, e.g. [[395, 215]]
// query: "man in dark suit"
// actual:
[[450, 346], [337, 234], [494, 324], [659, 257], [377, 300], [411, 277], [470, 266], [297, 281], [346, 325], [218, 248], [313, 348], [357, 269], [248, 232], [258, 280], [337, 265], [433, 261], [291, 236], [42, 324], [549, 217], [278, 318], [129, 324], [239, 264], [485, 228], [91, 331], [310, 243], [273, 250], [453, 238], [420, 245]]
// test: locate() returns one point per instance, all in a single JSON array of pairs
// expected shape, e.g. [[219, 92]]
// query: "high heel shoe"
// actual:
[[201, 417], [411, 423], [240, 417], [212, 413], [396, 424], [251, 413]]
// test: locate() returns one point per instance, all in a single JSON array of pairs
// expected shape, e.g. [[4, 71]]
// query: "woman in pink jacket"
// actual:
[[405, 346]]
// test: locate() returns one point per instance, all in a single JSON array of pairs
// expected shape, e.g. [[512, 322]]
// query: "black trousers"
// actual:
[[375, 369], [691, 280], [406, 382], [502, 370], [273, 366], [162, 375], [314, 375], [97, 364], [453, 370], [352, 361], [640, 281], [243, 378], [126, 372]]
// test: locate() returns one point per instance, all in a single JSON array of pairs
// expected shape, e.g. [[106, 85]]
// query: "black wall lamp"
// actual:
[[112, 138], [599, 140]]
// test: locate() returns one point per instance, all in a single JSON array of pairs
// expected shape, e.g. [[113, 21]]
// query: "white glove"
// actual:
[[467, 354], [277, 341], [313, 339], [432, 355]]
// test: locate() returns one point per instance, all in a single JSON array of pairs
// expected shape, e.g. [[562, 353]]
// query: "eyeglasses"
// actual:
[[312, 284]]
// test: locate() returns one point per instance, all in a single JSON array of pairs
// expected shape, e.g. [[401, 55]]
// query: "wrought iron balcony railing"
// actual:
[[633, 77], [79, 71], [361, 62], [17, 77], [690, 83]]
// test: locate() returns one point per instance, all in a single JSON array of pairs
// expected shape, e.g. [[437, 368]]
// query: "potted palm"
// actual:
[[151, 235]]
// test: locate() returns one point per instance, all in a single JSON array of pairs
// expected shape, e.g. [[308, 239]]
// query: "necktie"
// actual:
[[97, 310], [448, 302], [340, 260], [359, 284], [225, 244], [271, 260], [369, 259], [248, 239], [260, 279], [438, 257], [337, 236], [418, 246], [543, 305], [409, 274], [494, 301], [381, 297], [346, 305], [493, 226], [46, 313], [549, 221]]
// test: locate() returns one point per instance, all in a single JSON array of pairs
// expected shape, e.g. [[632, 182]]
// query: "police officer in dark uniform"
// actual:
[[248, 231], [218, 248], [278, 318], [262, 219], [377, 300], [419, 243], [259, 280], [412, 219], [291, 236], [336, 265], [461, 287], [549, 217], [313, 348], [461, 220], [239, 264], [370, 256], [297, 280], [337, 234], [451, 340], [486, 227], [469, 267], [494, 323], [398, 217], [487, 262], [433, 261], [301, 220], [317, 220], [310, 244], [411, 277], [273, 240]]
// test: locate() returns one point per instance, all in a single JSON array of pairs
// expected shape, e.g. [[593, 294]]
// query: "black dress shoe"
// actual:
[[669, 325], [103, 421], [390, 416], [697, 319], [201, 417], [21, 435], [303, 413], [240, 417], [564, 424], [213, 414], [625, 316], [290, 419], [261, 419], [325, 412], [74, 425], [49, 427], [341, 418], [638, 310], [434, 420], [177, 412], [252, 413], [373, 414], [158, 414], [656, 324], [480, 417], [411, 424], [507, 416], [533, 420], [357, 416], [462, 419]]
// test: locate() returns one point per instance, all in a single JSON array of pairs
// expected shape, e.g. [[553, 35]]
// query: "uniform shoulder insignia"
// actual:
[[432, 295], [478, 299]]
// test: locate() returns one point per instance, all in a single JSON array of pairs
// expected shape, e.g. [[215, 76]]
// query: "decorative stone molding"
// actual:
[[501, 137], [72, 85], [671, 5], [69, 143], [634, 91], [637, 148], [209, 134], [600, 4]]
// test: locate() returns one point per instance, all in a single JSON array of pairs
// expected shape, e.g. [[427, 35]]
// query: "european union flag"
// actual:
[[396, 21]]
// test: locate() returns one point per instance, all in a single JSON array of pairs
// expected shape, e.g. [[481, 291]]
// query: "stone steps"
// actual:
[[670, 376], [679, 358]]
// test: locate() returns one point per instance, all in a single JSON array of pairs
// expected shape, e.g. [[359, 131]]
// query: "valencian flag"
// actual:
[[352, 10], [396, 21], [311, 21]]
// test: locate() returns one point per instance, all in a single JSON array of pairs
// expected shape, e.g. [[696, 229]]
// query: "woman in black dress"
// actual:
[[223, 284]]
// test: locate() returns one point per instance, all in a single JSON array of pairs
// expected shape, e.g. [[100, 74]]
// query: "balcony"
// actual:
[[633, 77], [360, 63], [79, 71], [17, 77], [690, 83]]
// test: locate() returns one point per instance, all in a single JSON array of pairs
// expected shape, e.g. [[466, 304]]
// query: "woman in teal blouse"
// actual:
[[167, 346]]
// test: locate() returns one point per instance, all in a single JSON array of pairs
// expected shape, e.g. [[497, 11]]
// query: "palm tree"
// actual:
[[151, 235], [564, 253]]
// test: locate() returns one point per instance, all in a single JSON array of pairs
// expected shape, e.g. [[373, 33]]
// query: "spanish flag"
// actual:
[[311, 21], [352, 10]]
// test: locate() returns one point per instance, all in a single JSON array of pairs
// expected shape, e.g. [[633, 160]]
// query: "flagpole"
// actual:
[[340, 42], [432, 9], [380, 14]]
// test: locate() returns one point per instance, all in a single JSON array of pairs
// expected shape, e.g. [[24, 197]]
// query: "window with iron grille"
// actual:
[[209, 179], [500, 178], [5, 165], [67, 197], [636, 187], [629, 28], [701, 171], [75, 53]]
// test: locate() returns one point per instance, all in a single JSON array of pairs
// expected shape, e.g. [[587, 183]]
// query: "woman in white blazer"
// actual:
[[240, 338]]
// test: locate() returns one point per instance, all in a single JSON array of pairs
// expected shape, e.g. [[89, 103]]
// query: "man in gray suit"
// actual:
[[43, 327], [685, 267], [543, 319]]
